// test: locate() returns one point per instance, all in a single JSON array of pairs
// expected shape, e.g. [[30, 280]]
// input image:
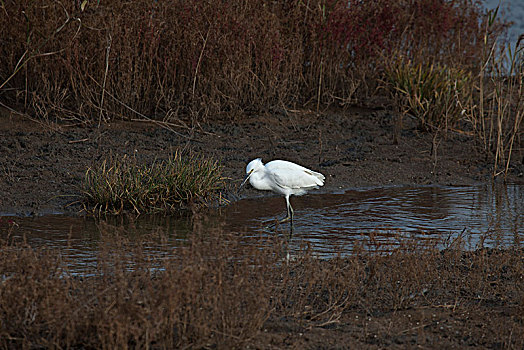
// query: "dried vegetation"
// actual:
[[219, 290], [110, 60], [185, 62]]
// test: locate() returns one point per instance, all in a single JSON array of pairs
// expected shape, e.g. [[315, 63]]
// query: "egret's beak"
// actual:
[[245, 179]]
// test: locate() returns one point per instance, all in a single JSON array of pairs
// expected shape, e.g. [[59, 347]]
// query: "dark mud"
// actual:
[[42, 165], [437, 327]]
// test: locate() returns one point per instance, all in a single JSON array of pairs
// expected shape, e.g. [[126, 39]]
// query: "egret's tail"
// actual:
[[319, 178]]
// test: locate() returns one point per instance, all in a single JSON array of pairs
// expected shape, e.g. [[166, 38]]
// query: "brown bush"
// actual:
[[198, 58]]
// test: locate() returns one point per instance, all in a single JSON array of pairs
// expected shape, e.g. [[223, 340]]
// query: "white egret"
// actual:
[[283, 177]]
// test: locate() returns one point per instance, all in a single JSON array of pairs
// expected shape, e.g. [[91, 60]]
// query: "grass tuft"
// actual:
[[434, 94], [122, 185]]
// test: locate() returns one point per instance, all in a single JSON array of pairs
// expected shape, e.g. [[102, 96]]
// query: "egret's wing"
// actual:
[[290, 175]]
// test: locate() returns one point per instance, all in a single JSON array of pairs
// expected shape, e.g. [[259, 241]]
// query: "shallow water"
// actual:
[[375, 218], [333, 223]]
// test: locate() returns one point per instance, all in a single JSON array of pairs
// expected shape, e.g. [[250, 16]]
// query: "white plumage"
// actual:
[[281, 176]]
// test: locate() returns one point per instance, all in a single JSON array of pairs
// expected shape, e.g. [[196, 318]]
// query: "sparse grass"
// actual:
[[497, 115], [120, 185], [219, 292]]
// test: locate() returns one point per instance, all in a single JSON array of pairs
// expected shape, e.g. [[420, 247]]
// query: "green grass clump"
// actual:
[[435, 95], [121, 185]]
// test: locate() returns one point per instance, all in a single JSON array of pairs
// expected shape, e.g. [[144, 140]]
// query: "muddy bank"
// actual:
[[42, 165]]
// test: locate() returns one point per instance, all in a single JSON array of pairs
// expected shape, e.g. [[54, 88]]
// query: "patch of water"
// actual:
[[492, 214], [330, 223], [80, 240]]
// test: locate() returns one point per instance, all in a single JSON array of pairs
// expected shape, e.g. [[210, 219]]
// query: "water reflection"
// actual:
[[329, 223], [489, 213]]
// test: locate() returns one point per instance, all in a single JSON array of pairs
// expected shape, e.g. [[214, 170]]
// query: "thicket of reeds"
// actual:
[[165, 59], [221, 290]]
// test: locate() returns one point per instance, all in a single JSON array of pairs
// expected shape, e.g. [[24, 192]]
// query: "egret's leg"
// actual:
[[289, 216], [289, 212]]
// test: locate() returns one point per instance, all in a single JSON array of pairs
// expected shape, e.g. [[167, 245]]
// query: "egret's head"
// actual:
[[253, 166]]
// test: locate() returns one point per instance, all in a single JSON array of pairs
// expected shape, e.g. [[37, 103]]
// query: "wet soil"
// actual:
[[42, 165], [432, 327]]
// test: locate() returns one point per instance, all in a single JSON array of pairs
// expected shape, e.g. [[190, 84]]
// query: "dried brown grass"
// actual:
[[180, 59], [212, 291], [187, 62], [221, 291]]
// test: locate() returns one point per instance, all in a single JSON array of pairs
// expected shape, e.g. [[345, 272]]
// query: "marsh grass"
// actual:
[[483, 99], [198, 61], [193, 296], [120, 185], [216, 291], [434, 94]]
